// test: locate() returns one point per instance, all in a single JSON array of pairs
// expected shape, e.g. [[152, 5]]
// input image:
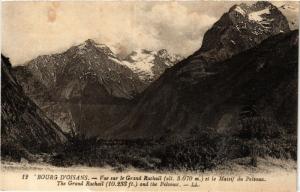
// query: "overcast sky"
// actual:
[[30, 29]]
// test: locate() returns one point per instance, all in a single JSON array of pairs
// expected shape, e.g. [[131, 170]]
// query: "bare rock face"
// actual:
[[230, 72], [24, 127]]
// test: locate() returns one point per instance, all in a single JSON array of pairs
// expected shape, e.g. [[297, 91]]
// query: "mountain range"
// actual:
[[230, 73], [88, 85], [89, 91]]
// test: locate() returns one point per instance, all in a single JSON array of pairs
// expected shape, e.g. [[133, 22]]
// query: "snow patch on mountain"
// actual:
[[141, 61], [114, 59], [150, 64], [257, 16], [240, 10]]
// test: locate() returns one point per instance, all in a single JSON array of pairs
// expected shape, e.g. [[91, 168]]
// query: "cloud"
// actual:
[[171, 22]]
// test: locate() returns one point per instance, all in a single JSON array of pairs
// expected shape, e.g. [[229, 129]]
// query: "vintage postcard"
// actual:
[[149, 96]]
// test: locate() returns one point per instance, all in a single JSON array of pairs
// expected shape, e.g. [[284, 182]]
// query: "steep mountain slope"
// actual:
[[263, 79], [23, 124], [202, 91]]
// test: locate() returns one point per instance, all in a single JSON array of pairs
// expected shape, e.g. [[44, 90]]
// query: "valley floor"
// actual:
[[269, 175]]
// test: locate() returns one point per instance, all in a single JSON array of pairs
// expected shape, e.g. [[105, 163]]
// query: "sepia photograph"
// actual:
[[149, 95]]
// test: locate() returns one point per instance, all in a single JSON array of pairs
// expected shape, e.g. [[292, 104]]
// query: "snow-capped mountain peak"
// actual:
[[141, 62], [242, 27], [150, 64]]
